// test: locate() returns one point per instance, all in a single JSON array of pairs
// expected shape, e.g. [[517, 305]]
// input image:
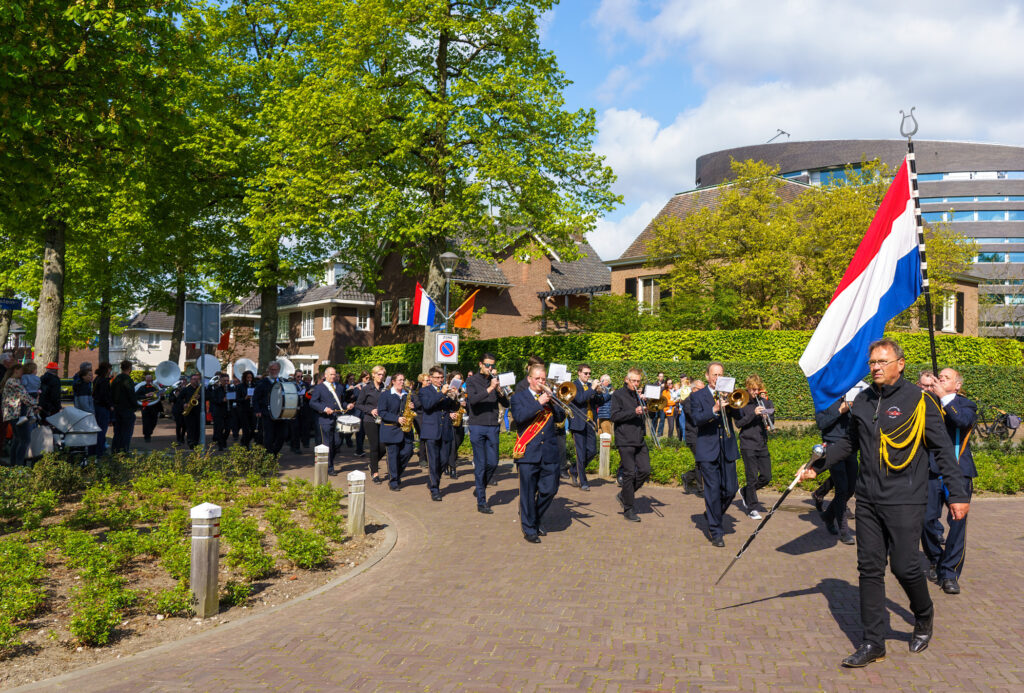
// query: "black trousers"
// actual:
[[720, 486], [459, 433], [247, 422], [757, 469], [635, 467], [150, 415], [586, 449], [889, 533], [192, 427], [948, 558], [328, 435], [220, 426], [844, 480], [376, 451], [274, 433], [437, 459], [179, 427]]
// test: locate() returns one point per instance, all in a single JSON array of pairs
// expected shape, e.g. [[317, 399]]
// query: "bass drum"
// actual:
[[284, 400]]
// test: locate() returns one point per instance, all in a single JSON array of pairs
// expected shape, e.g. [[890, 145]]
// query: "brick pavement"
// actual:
[[462, 603]]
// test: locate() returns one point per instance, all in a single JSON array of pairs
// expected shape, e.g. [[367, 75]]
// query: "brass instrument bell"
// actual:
[[738, 398]]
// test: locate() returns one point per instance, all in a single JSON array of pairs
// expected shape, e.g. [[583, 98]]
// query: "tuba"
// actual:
[[409, 414]]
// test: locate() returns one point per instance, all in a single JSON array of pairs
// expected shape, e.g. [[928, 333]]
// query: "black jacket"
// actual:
[[753, 433], [49, 393], [366, 401], [833, 425], [101, 395], [481, 405], [891, 410], [630, 427], [122, 393]]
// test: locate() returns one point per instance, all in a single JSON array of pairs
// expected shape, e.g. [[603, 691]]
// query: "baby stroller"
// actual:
[[69, 429]]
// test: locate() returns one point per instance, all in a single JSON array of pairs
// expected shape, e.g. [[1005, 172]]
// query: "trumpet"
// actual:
[[765, 417]]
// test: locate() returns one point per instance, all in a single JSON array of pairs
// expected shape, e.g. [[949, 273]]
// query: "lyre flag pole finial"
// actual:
[[908, 130]]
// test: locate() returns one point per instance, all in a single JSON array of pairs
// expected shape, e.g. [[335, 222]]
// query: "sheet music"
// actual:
[[558, 372], [725, 384], [507, 379], [652, 391]]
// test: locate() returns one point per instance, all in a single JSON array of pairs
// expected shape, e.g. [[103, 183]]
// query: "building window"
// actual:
[[327, 320], [307, 324], [116, 342], [385, 313], [990, 257], [152, 340], [363, 319], [282, 327], [650, 294], [404, 311]]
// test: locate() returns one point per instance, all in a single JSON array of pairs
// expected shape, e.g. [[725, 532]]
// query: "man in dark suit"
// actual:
[[274, 432], [715, 451], [947, 562], [436, 404], [217, 399], [483, 398], [536, 451], [390, 408], [627, 414], [584, 425], [326, 402]]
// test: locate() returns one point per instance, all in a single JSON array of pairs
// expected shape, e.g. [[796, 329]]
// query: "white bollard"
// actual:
[[356, 503], [321, 453], [205, 557], [604, 459]]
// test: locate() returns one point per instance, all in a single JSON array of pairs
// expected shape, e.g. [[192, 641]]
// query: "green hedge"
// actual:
[[786, 385], [773, 346]]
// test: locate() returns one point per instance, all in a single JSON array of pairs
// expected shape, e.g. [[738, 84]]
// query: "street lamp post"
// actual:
[[448, 261]]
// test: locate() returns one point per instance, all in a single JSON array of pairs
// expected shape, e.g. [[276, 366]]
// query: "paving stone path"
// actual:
[[463, 603]]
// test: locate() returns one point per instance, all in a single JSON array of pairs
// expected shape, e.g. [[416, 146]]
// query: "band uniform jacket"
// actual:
[[884, 409], [217, 398], [833, 425], [482, 406], [321, 398], [543, 447], [961, 416], [753, 433], [630, 427], [435, 407], [712, 439], [390, 407], [186, 396], [587, 400], [261, 396]]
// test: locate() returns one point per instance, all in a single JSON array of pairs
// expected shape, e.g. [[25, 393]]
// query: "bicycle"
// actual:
[[1002, 426]]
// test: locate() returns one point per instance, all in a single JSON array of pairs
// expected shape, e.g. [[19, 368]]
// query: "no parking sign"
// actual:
[[447, 349]]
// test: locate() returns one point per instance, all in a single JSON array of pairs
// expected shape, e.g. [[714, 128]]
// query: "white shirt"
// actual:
[[948, 398]]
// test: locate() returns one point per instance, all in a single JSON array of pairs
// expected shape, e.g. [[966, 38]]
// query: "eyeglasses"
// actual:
[[585, 373], [879, 363], [488, 365]]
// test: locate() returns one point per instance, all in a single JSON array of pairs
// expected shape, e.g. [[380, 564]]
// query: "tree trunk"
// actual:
[[67, 363], [104, 337], [178, 331], [268, 326], [51, 295], [5, 327]]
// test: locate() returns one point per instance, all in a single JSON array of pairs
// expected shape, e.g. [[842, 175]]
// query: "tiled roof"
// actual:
[[151, 320], [291, 296], [585, 273], [686, 203], [473, 270]]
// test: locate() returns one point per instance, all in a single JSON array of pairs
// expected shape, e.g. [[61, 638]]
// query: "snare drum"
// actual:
[[284, 400], [347, 424]]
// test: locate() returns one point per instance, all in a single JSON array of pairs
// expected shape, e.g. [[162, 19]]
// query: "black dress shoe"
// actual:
[[435, 496], [864, 655], [922, 634], [377, 480], [631, 515], [950, 586], [933, 573], [585, 488], [819, 505], [847, 538], [532, 538], [542, 532], [332, 472], [830, 525], [718, 542], [486, 510]]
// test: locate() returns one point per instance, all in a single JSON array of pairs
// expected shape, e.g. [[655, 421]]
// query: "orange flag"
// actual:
[[463, 315]]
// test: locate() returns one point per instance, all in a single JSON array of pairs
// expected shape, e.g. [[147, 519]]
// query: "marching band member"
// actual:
[[947, 561], [150, 410], [422, 380], [435, 403], [325, 401], [217, 399], [457, 424], [627, 414], [834, 424], [391, 407], [483, 398], [366, 403], [757, 462], [584, 434], [536, 451], [715, 451], [191, 419], [274, 432], [692, 480], [244, 392]]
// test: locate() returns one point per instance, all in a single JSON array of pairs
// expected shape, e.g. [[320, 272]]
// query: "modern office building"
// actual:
[[978, 189]]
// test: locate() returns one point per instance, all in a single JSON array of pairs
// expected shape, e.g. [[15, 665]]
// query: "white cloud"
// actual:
[[621, 81], [815, 70]]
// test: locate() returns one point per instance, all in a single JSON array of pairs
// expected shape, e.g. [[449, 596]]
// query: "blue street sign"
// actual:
[[10, 304]]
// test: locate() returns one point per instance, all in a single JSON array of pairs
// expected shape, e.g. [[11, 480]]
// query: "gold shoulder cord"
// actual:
[[910, 431]]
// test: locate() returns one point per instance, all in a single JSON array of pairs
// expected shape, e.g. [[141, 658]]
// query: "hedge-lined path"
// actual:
[[462, 603]]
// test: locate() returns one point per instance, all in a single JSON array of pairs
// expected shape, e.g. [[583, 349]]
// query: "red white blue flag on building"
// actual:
[[883, 280], [423, 308]]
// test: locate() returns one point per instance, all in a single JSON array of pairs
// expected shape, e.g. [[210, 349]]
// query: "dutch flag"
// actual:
[[883, 280], [423, 308]]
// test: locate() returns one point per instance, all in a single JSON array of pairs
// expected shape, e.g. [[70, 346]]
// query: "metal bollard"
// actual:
[[320, 456], [356, 503], [205, 556], [604, 461]]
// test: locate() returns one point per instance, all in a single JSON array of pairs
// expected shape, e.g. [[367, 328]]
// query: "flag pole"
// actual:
[[908, 130]]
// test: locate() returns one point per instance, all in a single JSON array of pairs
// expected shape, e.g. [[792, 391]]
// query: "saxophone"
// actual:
[[459, 415], [409, 414], [192, 403]]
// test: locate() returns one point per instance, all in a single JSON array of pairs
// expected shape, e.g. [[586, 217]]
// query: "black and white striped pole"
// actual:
[[908, 128]]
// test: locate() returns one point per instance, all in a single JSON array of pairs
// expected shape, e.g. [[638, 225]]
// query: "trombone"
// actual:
[[737, 399], [765, 417], [558, 397], [566, 392], [649, 406]]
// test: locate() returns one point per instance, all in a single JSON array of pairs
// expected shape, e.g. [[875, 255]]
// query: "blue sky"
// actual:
[[673, 79]]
